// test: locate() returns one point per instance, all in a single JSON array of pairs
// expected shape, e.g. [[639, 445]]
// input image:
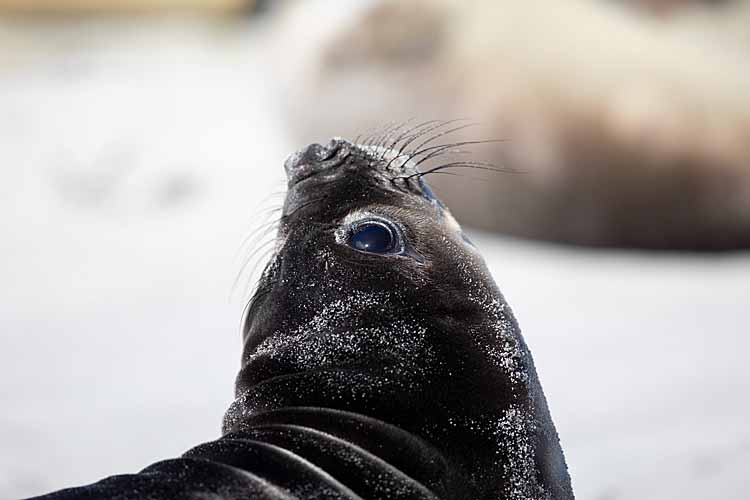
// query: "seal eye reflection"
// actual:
[[374, 237]]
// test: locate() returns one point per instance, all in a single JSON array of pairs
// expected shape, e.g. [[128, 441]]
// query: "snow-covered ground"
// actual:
[[136, 157]]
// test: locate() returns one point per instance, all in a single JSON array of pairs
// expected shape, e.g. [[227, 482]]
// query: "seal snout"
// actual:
[[316, 158]]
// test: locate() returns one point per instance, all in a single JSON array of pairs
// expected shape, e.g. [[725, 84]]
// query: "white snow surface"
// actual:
[[135, 159]]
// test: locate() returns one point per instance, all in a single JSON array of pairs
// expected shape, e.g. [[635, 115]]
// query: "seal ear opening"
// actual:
[[467, 240], [429, 194]]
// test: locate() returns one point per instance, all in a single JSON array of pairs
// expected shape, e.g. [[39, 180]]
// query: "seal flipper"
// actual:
[[278, 466], [394, 445], [175, 480], [363, 472]]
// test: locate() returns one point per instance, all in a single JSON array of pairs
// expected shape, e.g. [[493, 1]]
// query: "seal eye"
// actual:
[[374, 237]]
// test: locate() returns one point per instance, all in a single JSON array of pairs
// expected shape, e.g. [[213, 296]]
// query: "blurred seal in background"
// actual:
[[630, 120]]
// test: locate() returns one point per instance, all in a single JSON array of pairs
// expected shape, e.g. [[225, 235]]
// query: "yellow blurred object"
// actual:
[[34, 6]]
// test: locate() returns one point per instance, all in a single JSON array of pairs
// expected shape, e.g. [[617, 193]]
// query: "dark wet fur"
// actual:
[[371, 376]]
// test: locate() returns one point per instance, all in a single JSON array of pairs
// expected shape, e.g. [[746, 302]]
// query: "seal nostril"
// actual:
[[333, 147], [314, 159], [315, 152]]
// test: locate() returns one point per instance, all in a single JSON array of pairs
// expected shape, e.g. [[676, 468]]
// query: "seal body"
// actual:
[[380, 360]]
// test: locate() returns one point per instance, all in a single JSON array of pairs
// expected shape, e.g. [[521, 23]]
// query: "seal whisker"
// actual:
[[439, 135], [249, 288], [440, 152], [401, 130], [484, 166], [440, 124], [260, 291], [263, 231], [388, 131], [462, 175], [417, 131], [256, 249], [412, 130], [255, 239], [410, 136], [471, 165], [266, 213], [368, 135], [455, 174], [402, 137], [246, 287], [248, 259], [389, 142], [268, 225], [263, 228], [442, 148], [365, 138], [377, 134], [468, 164], [421, 133]]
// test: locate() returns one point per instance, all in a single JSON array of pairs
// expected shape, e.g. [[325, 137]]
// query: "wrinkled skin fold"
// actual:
[[399, 375]]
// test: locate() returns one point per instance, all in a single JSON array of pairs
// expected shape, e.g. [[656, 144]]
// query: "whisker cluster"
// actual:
[[407, 144], [257, 246]]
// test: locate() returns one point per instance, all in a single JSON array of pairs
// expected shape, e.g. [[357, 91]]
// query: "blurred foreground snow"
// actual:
[[133, 166]]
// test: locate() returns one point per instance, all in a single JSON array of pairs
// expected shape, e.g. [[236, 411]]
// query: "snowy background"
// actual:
[[136, 157]]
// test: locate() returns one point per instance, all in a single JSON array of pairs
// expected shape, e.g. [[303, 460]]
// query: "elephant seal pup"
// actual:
[[380, 359]]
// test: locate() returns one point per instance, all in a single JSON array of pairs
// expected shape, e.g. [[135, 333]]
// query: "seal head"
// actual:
[[376, 306]]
